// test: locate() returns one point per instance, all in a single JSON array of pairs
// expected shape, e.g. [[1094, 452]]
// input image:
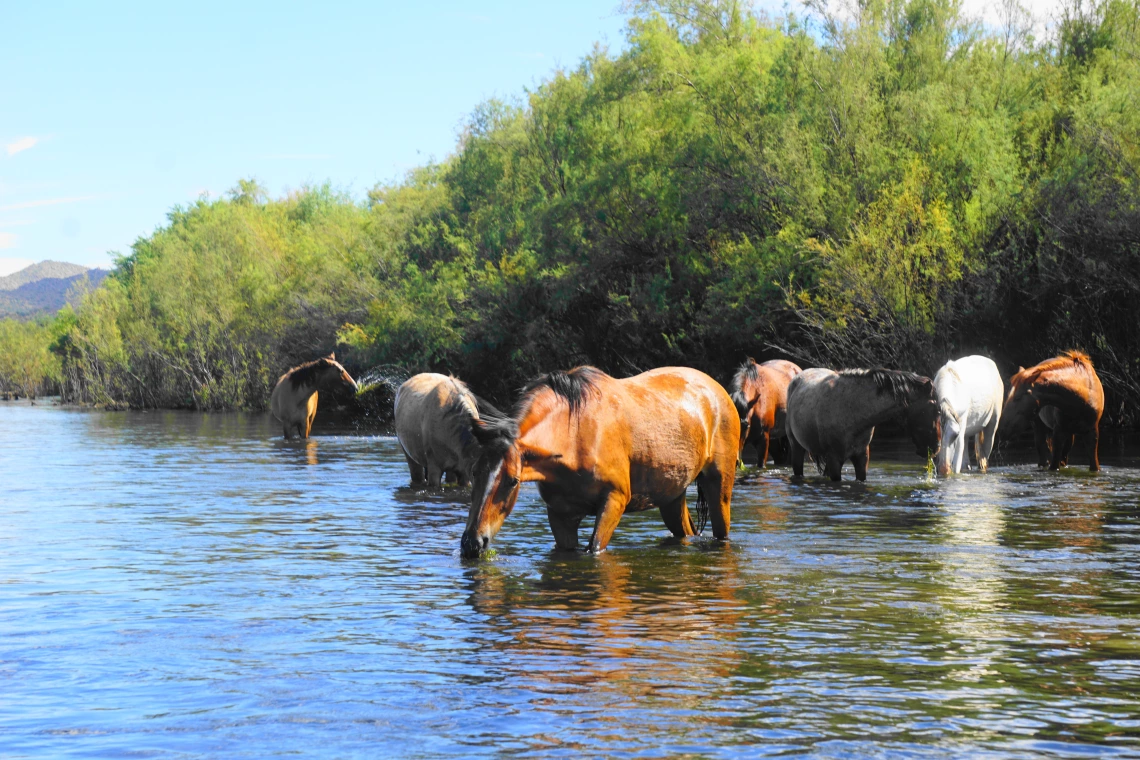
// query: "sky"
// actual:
[[113, 113]]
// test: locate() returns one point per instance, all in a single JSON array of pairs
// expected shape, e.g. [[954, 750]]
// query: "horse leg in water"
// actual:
[[984, 444], [1061, 436], [762, 442], [608, 517], [565, 528], [1094, 445], [715, 482], [452, 477], [1068, 447], [416, 471], [434, 475], [311, 414], [960, 451], [676, 518], [796, 455], [861, 460], [288, 430], [1041, 441]]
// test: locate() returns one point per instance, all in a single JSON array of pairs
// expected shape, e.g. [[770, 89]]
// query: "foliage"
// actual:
[[895, 186]]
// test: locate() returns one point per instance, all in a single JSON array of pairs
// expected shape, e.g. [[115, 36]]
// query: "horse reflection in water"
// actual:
[[601, 446], [609, 623]]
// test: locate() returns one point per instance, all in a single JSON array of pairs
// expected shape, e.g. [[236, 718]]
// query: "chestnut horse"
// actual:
[[294, 400], [601, 446], [832, 415], [760, 393], [1062, 394]]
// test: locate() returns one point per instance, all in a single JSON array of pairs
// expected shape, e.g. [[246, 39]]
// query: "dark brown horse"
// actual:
[[832, 415], [1062, 395], [601, 446], [294, 399], [760, 393]]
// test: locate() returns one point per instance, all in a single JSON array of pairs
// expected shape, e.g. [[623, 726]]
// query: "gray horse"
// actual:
[[832, 415]]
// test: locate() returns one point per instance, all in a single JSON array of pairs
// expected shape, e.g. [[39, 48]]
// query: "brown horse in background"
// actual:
[[601, 446], [760, 393], [1062, 394], [294, 399]]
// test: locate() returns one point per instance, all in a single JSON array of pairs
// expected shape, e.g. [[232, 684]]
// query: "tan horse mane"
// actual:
[[1071, 359]]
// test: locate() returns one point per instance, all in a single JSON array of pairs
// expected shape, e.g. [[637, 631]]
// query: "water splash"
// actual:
[[376, 393]]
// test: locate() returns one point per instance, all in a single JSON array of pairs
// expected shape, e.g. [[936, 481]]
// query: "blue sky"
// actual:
[[112, 113]]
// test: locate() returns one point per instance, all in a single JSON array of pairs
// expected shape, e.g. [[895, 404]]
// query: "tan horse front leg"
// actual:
[[311, 414], [676, 518], [608, 517], [565, 529], [1094, 446]]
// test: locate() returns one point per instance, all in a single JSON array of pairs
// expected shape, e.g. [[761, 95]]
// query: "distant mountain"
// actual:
[[44, 288], [54, 270]]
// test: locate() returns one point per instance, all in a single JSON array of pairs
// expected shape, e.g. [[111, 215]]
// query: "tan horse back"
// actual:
[[422, 425]]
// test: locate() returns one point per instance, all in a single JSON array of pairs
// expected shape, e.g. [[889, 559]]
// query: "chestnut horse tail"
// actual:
[[702, 509]]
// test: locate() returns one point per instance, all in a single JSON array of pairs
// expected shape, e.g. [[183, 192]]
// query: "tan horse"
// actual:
[[433, 424], [1062, 394], [760, 392], [601, 446], [294, 399]]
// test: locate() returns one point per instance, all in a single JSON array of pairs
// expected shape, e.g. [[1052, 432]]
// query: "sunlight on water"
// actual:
[[181, 584]]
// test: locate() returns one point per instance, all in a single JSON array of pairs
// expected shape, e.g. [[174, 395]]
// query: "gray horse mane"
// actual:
[[901, 385]]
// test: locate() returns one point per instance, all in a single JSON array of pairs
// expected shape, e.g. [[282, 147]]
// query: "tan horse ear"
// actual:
[[331, 356]]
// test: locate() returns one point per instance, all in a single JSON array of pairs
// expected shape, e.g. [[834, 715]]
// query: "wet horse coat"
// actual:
[[969, 392], [832, 415], [294, 399], [601, 446], [1064, 395], [433, 415], [760, 393]]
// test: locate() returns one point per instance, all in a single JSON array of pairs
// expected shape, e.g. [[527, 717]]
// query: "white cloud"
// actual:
[[7, 240], [49, 202], [10, 265], [22, 144]]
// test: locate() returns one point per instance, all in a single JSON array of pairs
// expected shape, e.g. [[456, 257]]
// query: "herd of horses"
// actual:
[[602, 446]]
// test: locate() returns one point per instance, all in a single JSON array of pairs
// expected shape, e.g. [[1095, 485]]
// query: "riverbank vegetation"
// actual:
[[898, 186]]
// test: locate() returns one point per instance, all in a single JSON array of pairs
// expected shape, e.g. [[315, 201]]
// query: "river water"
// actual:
[[177, 585]]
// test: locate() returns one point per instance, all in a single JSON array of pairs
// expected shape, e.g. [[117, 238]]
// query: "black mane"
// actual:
[[901, 385], [574, 386], [749, 370], [307, 373], [496, 430]]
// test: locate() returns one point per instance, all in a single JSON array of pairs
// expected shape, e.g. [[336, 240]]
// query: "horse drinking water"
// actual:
[[760, 393], [832, 415], [294, 399], [601, 446], [433, 415], [1064, 395], [969, 393]]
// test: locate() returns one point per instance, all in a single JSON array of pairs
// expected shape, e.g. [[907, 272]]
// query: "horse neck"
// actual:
[[882, 406]]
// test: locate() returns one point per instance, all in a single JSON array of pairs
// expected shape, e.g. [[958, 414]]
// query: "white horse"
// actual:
[[969, 393]]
